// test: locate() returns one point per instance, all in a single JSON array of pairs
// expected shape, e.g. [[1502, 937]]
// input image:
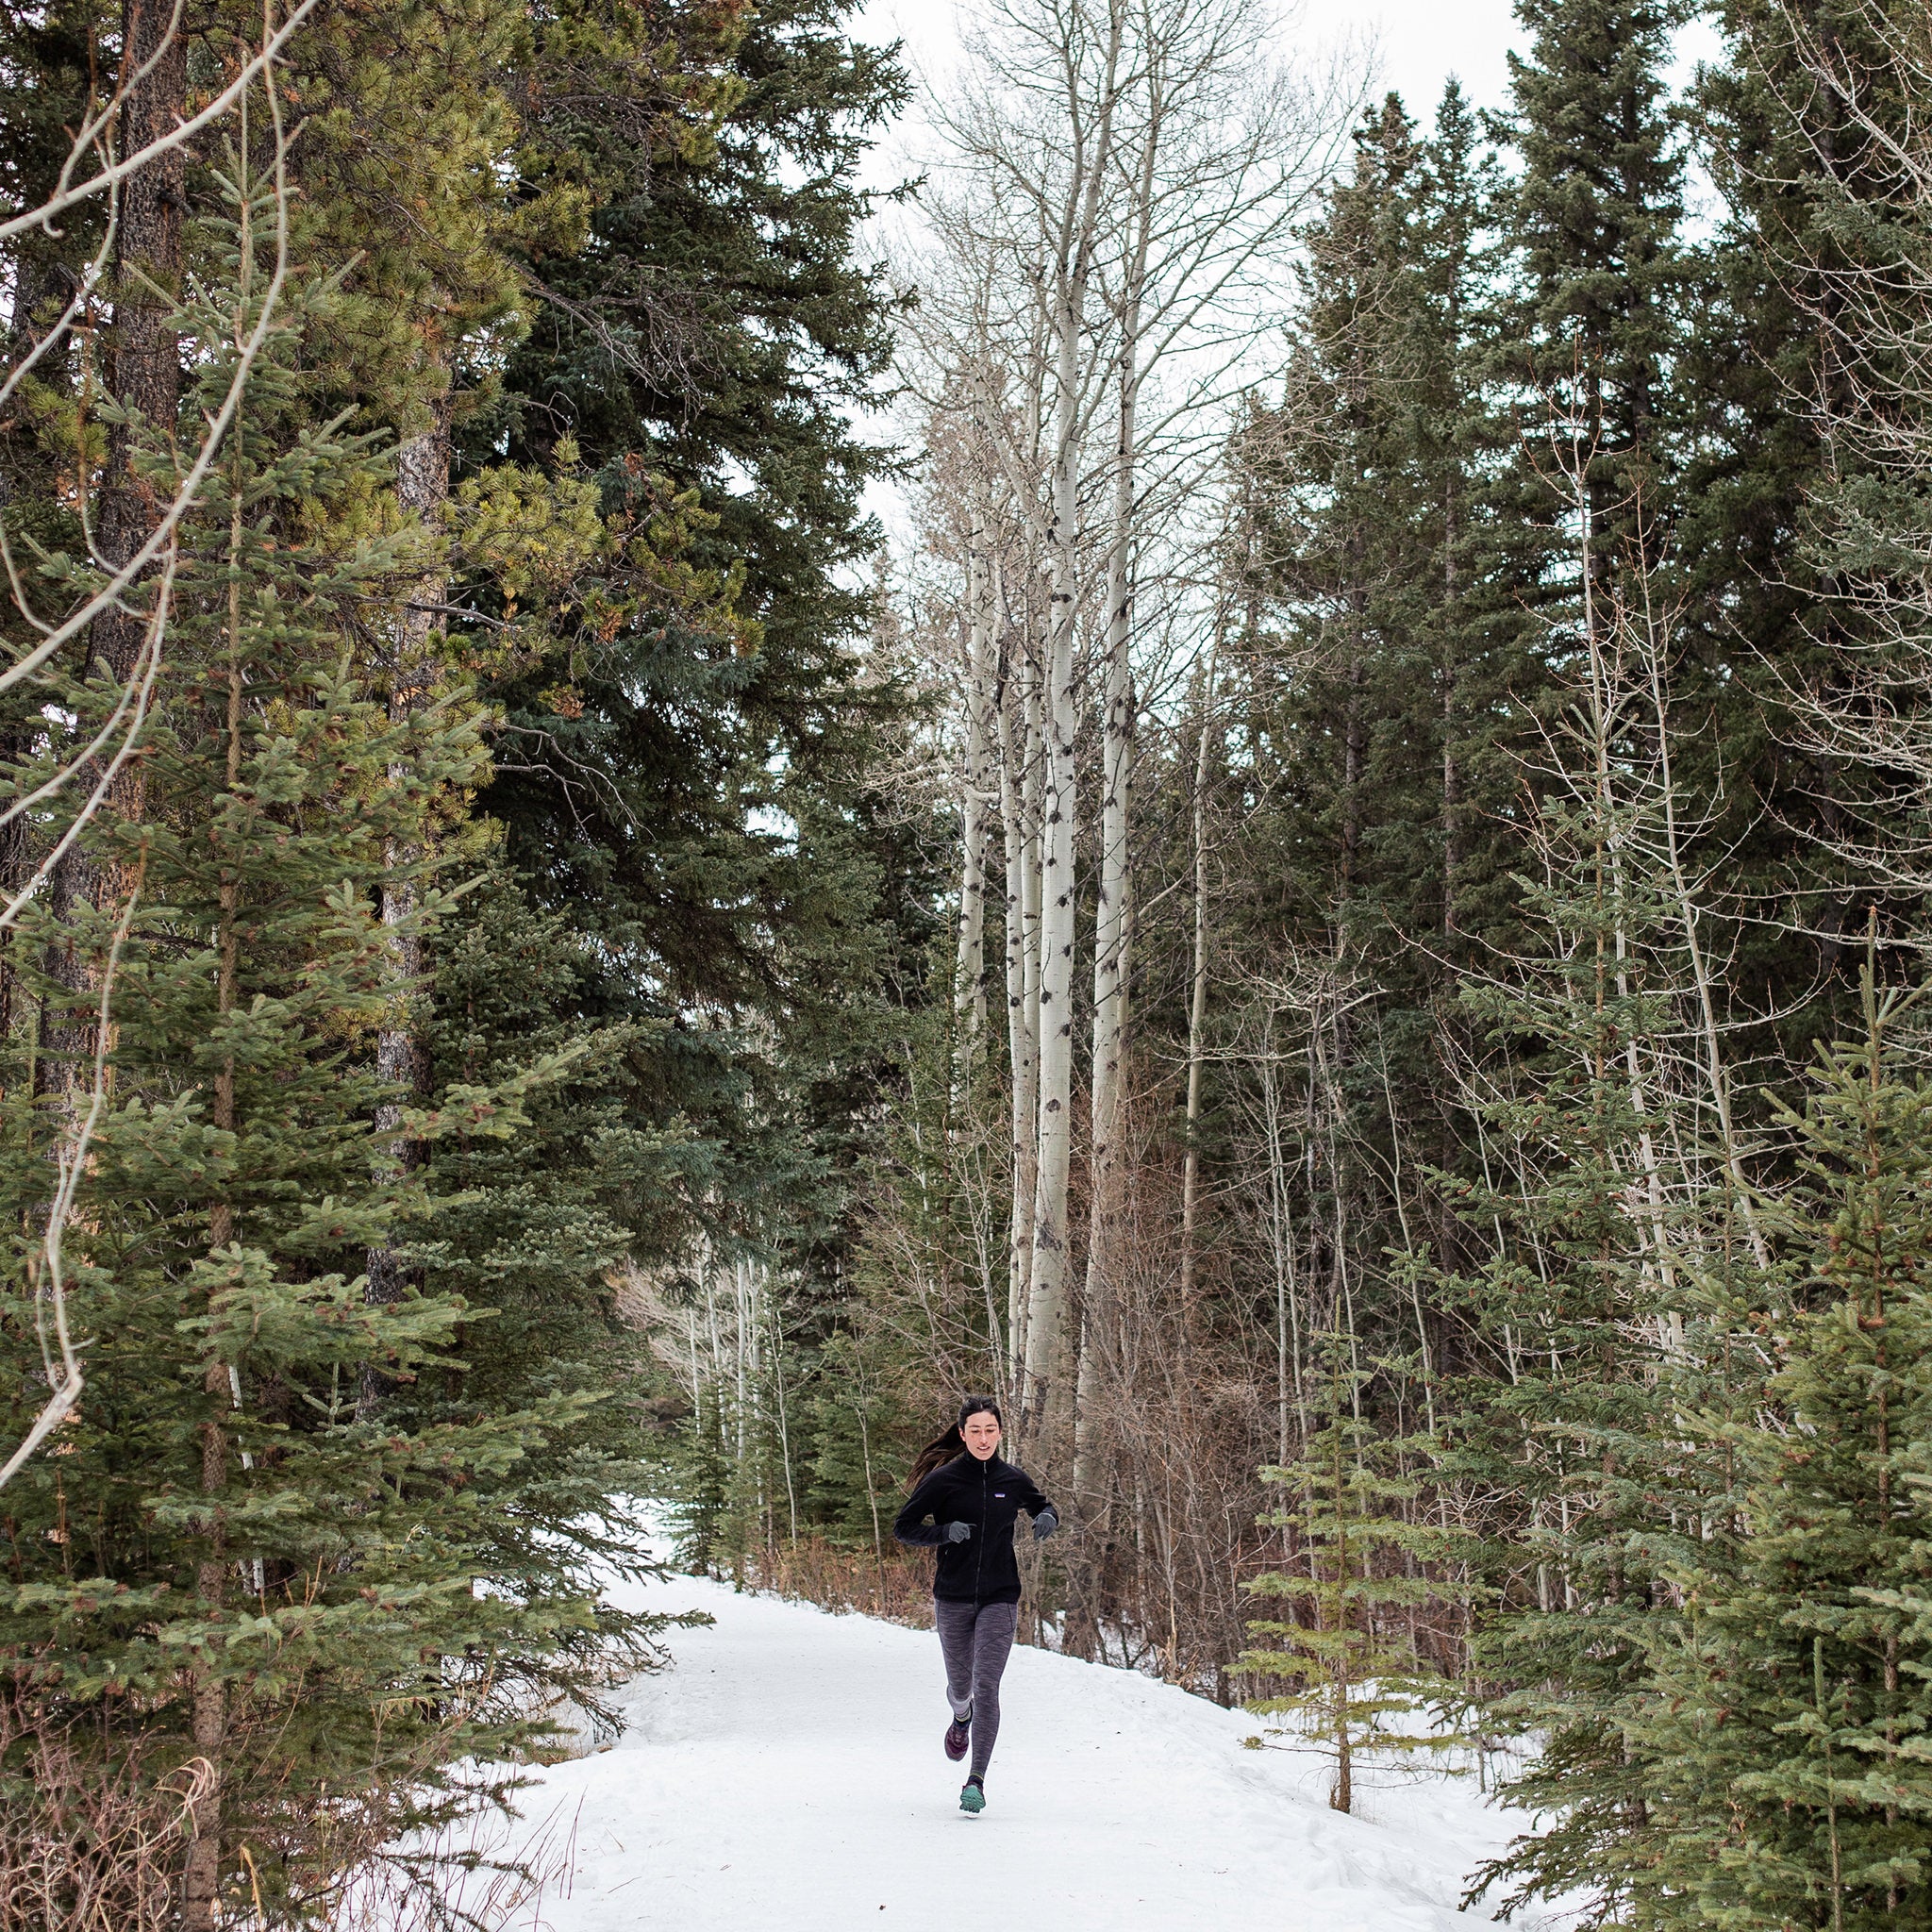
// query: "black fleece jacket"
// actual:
[[988, 1495]]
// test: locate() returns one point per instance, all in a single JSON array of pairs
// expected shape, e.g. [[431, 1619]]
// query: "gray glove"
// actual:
[[1045, 1525], [957, 1532]]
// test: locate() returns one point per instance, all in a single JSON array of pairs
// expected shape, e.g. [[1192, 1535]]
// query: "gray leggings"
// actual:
[[975, 1640]]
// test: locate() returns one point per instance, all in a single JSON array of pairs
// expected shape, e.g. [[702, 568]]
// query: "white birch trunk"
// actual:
[[1047, 1314], [1046, 1350], [969, 979], [1046, 1398], [1197, 1003], [1107, 1120], [1013, 718]]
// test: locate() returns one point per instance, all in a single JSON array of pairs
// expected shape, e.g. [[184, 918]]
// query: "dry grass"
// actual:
[[895, 1584], [88, 1842], [94, 1826]]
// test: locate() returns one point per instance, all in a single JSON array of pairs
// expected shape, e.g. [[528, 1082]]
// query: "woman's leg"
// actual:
[[955, 1625], [993, 1643]]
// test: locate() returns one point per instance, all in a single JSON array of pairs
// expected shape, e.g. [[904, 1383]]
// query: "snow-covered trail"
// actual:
[[787, 1771]]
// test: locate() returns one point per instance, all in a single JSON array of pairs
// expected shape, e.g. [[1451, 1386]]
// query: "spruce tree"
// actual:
[[1340, 710], [1340, 528], [1592, 318], [1474, 632], [738, 752], [1785, 1724], [221, 1563], [1626, 1246], [687, 790], [1351, 1522], [1387, 712]]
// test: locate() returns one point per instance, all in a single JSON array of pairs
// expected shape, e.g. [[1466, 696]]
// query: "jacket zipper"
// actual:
[[980, 1548]]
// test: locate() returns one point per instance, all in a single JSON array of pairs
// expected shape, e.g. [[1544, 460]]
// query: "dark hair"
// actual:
[[942, 1449]]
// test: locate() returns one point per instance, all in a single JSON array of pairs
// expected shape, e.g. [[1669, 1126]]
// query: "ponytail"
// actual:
[[935, 1455], [944, 1449]]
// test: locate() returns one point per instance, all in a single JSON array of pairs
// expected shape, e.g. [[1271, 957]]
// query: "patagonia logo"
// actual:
[[1000, 1496]]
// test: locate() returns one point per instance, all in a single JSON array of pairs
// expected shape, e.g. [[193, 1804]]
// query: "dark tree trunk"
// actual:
[[401, 1060], [144, 376], [144, 369]]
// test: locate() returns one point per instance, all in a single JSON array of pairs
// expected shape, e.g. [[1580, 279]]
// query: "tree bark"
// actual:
[[145, 358], [144, 378], [1197, 1001], [1047, 1399], [1016, 717], [1107, 1120], [969, 974], [401, 1059], [1046, 1393]]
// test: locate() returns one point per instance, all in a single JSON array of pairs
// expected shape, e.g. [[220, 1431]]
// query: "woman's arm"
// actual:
[[909, 1527], [1036, 1506]]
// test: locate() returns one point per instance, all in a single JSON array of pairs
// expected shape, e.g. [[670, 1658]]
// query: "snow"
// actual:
[[787, 1769]]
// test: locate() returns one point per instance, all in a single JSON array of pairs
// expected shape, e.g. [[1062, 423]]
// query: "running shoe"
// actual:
[[957, 1734], [973, 1796]]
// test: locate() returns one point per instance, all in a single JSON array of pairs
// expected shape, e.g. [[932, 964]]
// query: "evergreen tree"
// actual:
[[692, 792], [1340, 712], [858, 1427], [1592, 323], [1474, 632], [687, 790], [540, 1232], [1784, 1725], [1351, 1522], [222, 1562], [1340, 518], [1385, 726], [1624, 1241]]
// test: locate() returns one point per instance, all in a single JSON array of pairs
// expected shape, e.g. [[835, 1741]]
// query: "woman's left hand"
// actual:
[[1045, 1525]]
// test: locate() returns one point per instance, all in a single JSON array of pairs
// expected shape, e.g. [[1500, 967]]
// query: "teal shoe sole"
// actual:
[[972, 1799]]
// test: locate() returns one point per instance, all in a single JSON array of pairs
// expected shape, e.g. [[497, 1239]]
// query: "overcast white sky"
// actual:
[[1421, 42]]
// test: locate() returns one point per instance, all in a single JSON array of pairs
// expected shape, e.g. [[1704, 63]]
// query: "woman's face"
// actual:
[[982, 1432]]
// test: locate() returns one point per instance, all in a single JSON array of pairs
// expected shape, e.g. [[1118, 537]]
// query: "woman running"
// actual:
[[964, 1504]]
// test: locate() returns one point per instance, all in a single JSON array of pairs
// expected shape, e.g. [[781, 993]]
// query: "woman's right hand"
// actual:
[[957, 1532]]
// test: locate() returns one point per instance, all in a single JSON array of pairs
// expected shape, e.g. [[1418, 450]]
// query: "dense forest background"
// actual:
[[1339, 924]]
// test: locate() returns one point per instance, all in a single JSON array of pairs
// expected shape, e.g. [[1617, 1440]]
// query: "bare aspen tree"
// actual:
[[1089, 50], [976, 792], [962, 535], [1134, 169], [1625, 730], [1689, 898], [1870, 305], [1217, 155], [1205, 736], [978, 361], [1025, 252], [1019, 731]]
